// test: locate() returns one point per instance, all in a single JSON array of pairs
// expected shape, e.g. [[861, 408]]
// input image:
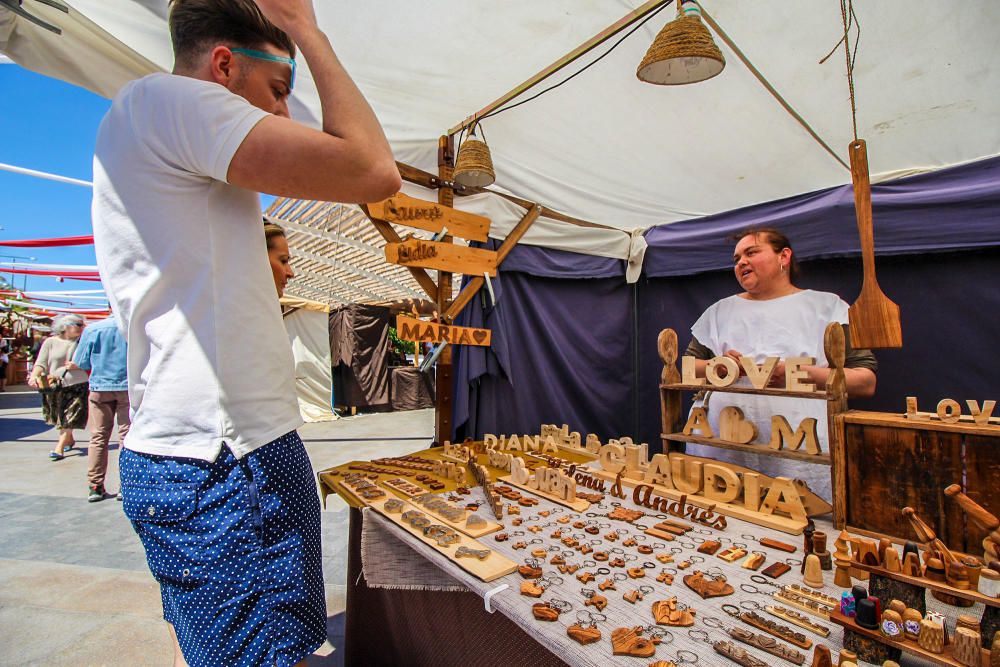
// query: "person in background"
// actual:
[[215, 479], [63, 390], [773, 317], [4, 360], [102, 352], [278, 256]]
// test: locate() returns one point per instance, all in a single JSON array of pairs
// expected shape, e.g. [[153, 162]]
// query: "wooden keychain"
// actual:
[[534, 588], [585, 630], [770, 627], [550, 609], [598, 602], [763, 642], [728, 649]]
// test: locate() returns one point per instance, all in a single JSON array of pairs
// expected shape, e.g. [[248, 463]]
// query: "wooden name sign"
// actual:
[[442, 256], [453, 471], [430, 216], [724, 371], [459, 452], [526, 443], [950, 412], [779, 502], [410, 328]]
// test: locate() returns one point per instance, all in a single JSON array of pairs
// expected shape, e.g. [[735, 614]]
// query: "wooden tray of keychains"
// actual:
[[492, 567]]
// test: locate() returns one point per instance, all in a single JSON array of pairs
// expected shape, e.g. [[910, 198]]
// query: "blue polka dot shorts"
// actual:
[[235, 547]]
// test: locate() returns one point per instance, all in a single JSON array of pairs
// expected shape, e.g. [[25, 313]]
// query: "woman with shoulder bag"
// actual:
[[64, 391]]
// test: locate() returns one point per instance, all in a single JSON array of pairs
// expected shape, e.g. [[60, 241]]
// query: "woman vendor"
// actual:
[[774, 318], [278, 256]]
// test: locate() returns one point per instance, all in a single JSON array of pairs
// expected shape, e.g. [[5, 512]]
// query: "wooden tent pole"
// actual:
[[443, 377]]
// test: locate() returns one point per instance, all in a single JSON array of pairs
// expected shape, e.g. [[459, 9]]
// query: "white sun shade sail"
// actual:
[[606, 147]]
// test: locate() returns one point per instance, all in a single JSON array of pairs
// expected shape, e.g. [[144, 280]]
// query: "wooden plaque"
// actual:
[[410, 328], [430, 216], [580, 505], [442, 256]]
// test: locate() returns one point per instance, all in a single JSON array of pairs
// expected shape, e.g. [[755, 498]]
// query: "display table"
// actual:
[[396, 624]]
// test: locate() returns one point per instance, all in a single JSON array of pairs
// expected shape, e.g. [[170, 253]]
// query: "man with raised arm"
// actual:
[[215, 479]]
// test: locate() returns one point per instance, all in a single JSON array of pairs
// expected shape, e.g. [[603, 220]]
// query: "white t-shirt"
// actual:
[[183, 258], [790, 326]]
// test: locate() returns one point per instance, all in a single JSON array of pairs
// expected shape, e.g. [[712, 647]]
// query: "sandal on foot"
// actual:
[[56, 456]]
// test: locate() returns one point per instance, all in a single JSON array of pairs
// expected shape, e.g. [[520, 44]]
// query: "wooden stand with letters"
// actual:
[[794, 442]]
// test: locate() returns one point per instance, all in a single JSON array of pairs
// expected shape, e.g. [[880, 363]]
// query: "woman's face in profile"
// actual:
[[281, 263], [756, 264]]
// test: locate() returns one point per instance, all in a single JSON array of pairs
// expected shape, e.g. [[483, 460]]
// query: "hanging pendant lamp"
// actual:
[[683, 52], [474, 166]]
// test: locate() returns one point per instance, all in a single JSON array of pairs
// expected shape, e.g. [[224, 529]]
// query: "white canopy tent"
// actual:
[[309, 332], [606, 147]]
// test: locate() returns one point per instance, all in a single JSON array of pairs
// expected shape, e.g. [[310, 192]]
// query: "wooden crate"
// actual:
[[894, 462]]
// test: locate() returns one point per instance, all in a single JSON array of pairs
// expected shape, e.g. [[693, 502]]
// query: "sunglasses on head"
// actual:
[[264, 55]]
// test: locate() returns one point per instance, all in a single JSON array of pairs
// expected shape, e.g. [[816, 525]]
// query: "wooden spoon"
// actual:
[[874, 318]]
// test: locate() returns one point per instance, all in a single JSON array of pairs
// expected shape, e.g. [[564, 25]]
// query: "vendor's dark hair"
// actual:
[[778, 241], [198, 25]]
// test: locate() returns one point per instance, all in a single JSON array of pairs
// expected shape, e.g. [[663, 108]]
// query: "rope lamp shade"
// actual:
[[683, 52], [474, 166]]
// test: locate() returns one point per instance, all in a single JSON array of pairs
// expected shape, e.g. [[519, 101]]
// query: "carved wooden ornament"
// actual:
[[629, 641], [667, 612], [708, 586], [583, 634]]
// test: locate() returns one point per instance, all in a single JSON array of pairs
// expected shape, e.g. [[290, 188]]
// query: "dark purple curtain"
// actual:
[[561, 351]]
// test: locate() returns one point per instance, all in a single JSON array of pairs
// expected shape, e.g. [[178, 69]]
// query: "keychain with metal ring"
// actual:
[[661, 517], [532, 562], [750, 588], [701, 635], [670, 570], [730, 610], [750, 605], [744, 536], [616, 550], [517, 533], [680, 659], [549, 580], [559, 605], [590, 563], [646, 590], [656, 632], [658, 545], [603, 571], [592, 515], [648, 566], [588, 593], [761, 579], [716, 623], [794, 562], [595, 542], [696, 539], [534, 540], [568, 554], [620, 576], [630, 557], [686, 545], [715, 572], [640, 537], [676, 550], [557, 510], [615, 503], [739, 545], [703, 531], [533, 517], [640, 526], [696, 559], [722, 539], [554, 548]]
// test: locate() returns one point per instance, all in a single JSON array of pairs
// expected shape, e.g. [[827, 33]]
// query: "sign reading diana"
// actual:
[[410, 328]]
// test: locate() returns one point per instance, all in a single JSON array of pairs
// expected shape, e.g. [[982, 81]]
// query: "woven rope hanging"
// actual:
[[683, 52], [474, 166]]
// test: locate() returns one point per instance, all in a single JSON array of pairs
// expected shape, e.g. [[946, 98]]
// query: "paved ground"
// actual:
[[74, 586]]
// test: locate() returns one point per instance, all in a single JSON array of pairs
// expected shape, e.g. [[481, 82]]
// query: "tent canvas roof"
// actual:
[[606, 147]]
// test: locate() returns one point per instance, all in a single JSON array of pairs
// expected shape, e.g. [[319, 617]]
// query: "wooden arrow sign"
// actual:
[[409, 328], [443, 256], [430, 216]]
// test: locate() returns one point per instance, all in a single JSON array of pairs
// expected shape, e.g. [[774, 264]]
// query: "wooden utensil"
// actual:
[[874, 318]]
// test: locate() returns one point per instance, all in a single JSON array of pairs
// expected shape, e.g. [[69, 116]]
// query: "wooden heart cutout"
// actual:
[[478, 335], [734, 428], [708, 587], [628, 641], [666, 612], [531, 589], [583, 635]]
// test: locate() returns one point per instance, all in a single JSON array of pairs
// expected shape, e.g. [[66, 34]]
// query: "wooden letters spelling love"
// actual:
[[410, 328], [949, 411], [796, 379]]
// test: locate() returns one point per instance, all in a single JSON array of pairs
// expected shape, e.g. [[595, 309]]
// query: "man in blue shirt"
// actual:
[[101, 351]]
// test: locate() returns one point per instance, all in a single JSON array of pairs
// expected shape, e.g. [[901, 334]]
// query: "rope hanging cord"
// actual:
[[844, 11]]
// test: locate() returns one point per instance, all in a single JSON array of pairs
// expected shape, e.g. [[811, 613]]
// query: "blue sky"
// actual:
[[47, 125]]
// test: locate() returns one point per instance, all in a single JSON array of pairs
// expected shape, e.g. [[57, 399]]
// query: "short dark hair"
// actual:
[[777, 240], [197, 25]]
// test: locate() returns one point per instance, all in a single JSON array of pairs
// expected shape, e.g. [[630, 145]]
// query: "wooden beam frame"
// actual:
[[350, 268], [388, 232], [476, 283]]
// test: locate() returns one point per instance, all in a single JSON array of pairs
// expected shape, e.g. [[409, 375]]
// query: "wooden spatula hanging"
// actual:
[[874, 318]]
